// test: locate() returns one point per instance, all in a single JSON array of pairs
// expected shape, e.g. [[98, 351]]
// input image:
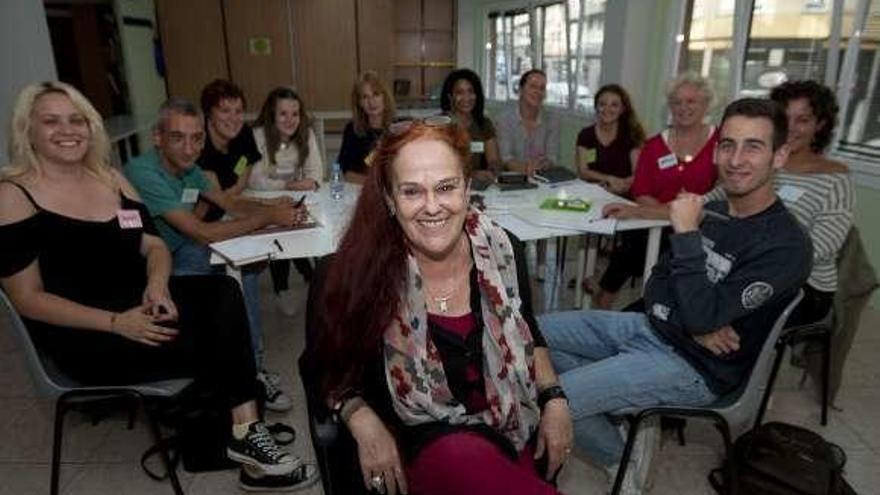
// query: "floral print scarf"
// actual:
[[414, 371]]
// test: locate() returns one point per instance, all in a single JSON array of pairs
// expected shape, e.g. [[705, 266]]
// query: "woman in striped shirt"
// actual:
[[816, 189]]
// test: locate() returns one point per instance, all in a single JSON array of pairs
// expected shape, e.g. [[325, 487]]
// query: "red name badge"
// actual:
[[129, 219]]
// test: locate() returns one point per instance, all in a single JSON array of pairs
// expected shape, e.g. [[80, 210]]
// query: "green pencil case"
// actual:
[[575, 204]]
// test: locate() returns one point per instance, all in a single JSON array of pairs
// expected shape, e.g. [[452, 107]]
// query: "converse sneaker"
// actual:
[[259, 450], [276, 400], [252, 479]]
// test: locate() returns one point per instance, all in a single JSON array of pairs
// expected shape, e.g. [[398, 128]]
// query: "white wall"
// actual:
[[145, 86], [25, 56]]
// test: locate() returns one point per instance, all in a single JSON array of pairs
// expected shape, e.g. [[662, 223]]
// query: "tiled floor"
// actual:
[[103, 459]]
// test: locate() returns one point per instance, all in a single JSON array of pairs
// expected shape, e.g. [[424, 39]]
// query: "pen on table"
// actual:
[[299, 202], [277, 244]]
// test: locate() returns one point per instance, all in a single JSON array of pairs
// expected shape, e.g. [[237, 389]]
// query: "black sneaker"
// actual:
[[253, 480], [258, 449], [276, 399]]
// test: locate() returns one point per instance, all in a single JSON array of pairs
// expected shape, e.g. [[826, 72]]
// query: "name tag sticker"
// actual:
[[129, 219], [667, 161], [478, 147], [591, 155], [790, 194], [189, 195], [241, 166]]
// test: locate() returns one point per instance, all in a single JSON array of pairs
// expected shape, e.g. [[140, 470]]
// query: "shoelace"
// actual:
[[263, 440], [271, 388]]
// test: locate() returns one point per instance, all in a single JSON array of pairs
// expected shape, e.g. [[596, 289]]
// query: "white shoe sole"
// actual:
[[270, 469]]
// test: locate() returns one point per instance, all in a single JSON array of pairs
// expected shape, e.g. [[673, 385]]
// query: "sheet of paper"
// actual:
[[584, 222]]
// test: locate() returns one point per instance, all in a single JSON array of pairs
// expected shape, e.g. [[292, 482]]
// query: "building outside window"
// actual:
[[564, 38]]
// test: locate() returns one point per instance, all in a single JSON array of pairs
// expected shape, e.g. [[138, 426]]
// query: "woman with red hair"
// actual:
[[431, 346]]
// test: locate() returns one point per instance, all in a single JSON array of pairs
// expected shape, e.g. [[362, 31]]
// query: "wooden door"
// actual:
[[259, 44], [325, 51], [193, 44]]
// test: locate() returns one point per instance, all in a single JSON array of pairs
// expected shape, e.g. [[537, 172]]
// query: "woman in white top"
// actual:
[[291, 158], [291, 161]]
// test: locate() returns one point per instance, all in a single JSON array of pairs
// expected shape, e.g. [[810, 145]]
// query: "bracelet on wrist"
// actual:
[[550, 393], [349, 407]]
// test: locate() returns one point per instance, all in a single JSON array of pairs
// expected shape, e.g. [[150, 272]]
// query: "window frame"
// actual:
[[573, 59], [865, 164]]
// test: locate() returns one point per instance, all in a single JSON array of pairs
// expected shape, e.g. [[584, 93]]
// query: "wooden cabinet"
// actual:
[[318, 46], [424, 48]]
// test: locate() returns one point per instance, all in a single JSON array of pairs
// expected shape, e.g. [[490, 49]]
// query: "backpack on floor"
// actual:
[[783, 459]]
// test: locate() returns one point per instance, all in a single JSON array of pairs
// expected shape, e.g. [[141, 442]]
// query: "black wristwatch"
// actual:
[[550, 393]]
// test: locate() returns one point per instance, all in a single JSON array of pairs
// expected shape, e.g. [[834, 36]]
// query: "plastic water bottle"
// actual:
[[336, 184]]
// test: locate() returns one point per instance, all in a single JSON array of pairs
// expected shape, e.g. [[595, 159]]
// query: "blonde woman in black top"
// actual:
[[84, 266]]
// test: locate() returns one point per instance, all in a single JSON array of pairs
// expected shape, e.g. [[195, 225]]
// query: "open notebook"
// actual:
[[256, 246]]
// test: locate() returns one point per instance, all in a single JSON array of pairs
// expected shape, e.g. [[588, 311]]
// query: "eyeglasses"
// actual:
[[402, 126]]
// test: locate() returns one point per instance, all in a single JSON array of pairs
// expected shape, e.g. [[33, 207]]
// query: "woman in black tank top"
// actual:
[[83, 265]]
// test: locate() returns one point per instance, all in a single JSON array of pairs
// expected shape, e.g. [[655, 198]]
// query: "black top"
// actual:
[[242, 153], [456, 354], [355, 149], [739, 272], [613, 159], [96, 264], [242, 149]]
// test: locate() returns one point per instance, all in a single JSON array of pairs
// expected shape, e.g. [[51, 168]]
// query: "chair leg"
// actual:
[[170, 468], [57, 436], [627, 453], [765, 398], [724, 428], [826, 374]]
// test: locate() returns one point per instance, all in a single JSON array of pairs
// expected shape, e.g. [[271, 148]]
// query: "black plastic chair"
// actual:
[[69, 394]]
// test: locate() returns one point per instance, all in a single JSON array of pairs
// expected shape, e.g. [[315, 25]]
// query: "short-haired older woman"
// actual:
[[462, 99], [84, 266], [372, 109], [432, 347], [678, 159], [606, 151]]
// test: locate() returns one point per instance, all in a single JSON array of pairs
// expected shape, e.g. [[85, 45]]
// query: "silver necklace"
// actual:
[[442, 302]]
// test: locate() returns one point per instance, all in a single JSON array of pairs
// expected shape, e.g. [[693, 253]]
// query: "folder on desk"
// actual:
[[244, 250]]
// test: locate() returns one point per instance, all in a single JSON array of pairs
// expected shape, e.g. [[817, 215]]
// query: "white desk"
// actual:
[[503, 207]]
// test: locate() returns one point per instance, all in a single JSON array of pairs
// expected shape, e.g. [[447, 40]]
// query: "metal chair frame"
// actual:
[[730, 413], [69, 394]]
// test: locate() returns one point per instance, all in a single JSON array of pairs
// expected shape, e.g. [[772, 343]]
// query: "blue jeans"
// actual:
[[195, 259], [608, 361]]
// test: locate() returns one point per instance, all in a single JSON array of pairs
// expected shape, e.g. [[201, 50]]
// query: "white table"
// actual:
[[503, 207]]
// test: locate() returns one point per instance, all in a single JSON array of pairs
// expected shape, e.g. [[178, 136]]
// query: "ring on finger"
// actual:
[[378, 482]]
